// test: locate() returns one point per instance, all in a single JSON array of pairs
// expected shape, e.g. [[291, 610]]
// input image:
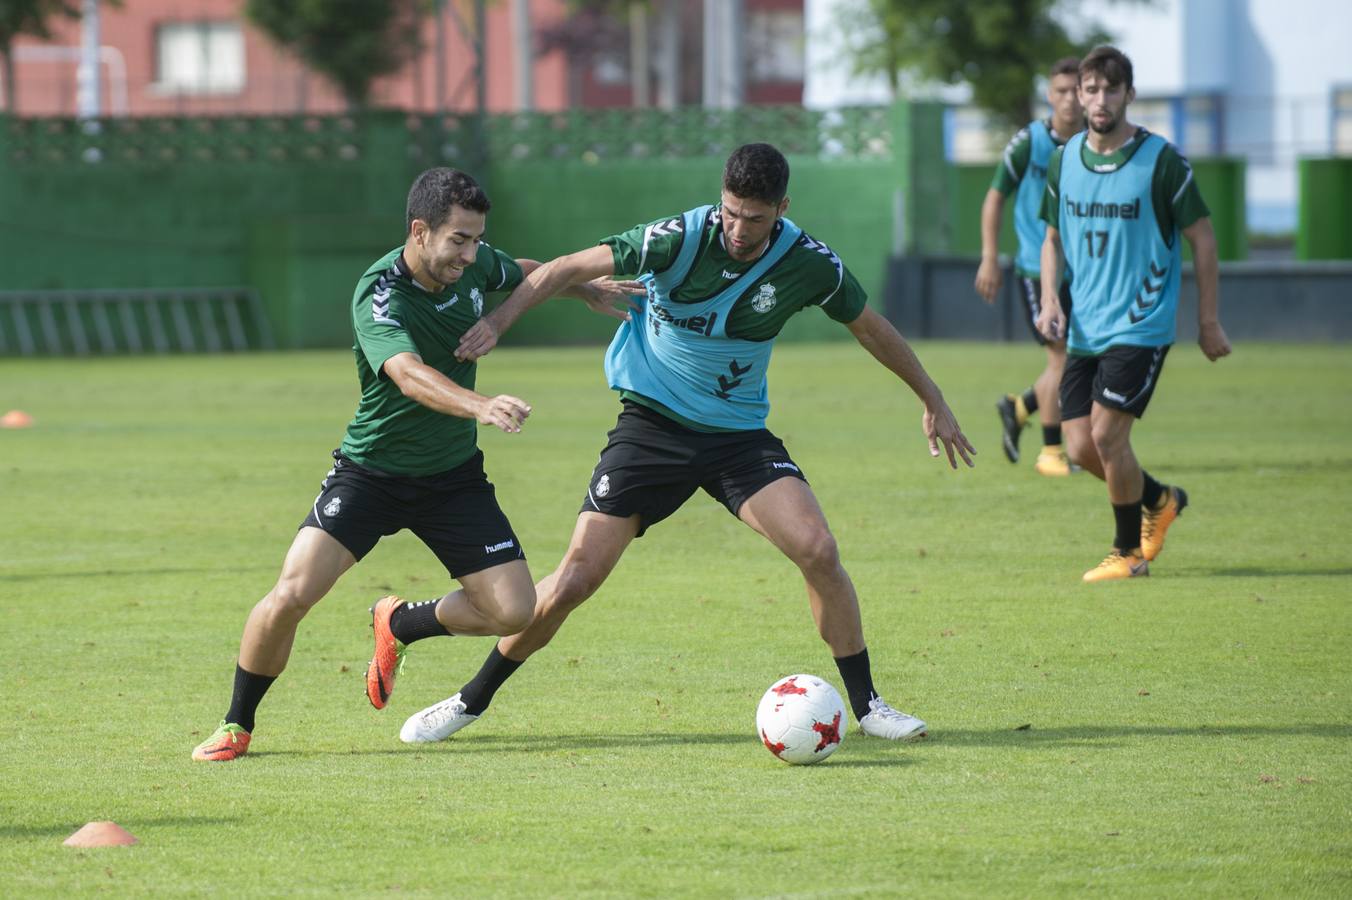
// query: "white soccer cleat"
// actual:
[[885, 722], [438, 722]]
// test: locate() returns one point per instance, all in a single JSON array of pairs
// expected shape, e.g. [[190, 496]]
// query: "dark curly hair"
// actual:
[[1108, 62], [435, 191], [757, 172]]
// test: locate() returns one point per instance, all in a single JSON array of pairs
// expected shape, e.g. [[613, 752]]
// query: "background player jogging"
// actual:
[[1023, 172], [1117, 199], [690, 367]]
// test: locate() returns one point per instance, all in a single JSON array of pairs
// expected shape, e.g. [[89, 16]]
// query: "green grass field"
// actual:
[[1184, 735]]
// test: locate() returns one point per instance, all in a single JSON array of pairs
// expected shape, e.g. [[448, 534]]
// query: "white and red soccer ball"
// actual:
[[801, 719]]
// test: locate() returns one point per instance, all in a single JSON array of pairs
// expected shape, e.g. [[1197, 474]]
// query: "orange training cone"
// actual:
[[100, 834], [16, 418]]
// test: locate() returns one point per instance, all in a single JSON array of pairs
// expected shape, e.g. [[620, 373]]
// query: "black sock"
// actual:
[[1030, 401], [414, 621], [858, 678], [1150, 496], [249, 691], [478, 691], [1051, 435], [1128, 517]]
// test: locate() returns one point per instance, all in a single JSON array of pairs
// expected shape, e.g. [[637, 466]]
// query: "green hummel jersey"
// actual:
[[1173, 191], [392, 314], [810, 274]]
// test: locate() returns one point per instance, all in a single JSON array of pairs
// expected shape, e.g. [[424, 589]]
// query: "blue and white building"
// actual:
[[1269, 81]]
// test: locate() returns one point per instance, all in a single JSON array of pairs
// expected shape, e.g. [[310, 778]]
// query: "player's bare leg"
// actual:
[[597, 544], [1110, 433], [787, 514], [1052, 459], [311, 568], [497, 600]]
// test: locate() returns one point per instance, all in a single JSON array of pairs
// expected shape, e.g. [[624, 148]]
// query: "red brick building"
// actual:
[[201, 57]]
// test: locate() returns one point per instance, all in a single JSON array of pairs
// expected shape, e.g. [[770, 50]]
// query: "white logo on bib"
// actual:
[[331, 508], [765, 299], [603, 486]]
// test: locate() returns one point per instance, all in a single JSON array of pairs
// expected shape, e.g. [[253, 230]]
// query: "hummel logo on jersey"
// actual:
[[784, 465], [765, 299], [603, 486], [331, 508], [1096, 210], [1112, 396], [455, 298], [701, 324], [727, 274], [501, 546]]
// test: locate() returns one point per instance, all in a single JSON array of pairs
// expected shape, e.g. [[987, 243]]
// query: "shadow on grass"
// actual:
[[130, 573], [1094, 735], [1254, 465], [1264, 572], [66, 829]]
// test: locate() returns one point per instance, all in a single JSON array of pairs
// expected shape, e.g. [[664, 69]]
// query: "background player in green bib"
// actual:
[[1117, 199], [410, 457], [690, 369], [1023, 173]]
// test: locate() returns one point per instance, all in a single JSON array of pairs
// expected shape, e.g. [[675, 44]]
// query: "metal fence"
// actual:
[[103, 322]]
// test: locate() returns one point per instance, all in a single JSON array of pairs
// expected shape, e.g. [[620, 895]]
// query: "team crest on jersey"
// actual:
[[765, 299], [477, 298], [331, 508], [603, 486]]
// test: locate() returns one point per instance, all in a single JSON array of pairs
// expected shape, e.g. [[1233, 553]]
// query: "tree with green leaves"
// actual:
[[30, 17], [350, 42], [999, 48]]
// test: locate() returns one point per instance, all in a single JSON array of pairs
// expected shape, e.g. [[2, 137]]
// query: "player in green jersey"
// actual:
[[689, 366], [1023, 173], [1118, 198], [410, 457]]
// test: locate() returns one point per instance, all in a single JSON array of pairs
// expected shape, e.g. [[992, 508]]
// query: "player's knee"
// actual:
[[573, 583], [817, 551], [289, 601], [1107, 441], [516, 614]]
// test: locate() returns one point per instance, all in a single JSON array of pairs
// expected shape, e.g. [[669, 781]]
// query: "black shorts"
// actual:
[[1032, 303], [651, 465], [455, 513], [1119, 378]]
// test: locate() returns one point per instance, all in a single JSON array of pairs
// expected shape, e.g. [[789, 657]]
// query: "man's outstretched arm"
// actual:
[[547, 281], [878, 336]]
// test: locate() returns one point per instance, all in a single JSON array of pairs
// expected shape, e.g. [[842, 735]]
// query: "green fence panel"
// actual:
[[298, 206], [1324, 229]]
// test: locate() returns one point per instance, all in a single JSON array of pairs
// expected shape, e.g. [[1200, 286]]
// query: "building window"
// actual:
[[199, 58], [1155, 114], [775, 47], [1342, 121], [1200, 130]]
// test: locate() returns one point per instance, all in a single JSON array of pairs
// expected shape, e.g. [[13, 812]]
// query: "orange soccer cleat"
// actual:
[[1116, 565], [1155, 522], [229, 741], [388, 660]]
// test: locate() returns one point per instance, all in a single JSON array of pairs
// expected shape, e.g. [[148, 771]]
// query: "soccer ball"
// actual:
[[801, 719]]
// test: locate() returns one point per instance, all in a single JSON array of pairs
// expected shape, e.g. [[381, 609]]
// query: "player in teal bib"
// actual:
[[1118, 198], [1023, 172], [717, 284]]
